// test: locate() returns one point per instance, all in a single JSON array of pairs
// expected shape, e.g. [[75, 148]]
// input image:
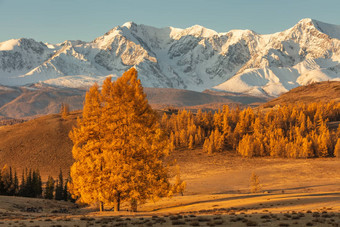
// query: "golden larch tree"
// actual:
[[119, 146]]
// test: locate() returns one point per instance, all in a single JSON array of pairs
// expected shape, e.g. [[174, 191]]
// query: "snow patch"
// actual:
[[9, 44], [77, 81]]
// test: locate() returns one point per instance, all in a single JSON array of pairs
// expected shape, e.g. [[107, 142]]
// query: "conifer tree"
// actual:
[[29, 192], [16, 184], [208, 146], [118, 146], [36, 184], [39, 185], [22, 187], [59, 187], [172, 141], [49, 188], [65, 191], [2, 186], [11, 189], [191, 142], [7, 180], [179, 185], [183, 138]]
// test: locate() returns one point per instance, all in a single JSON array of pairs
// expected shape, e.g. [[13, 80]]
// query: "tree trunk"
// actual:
[[101, 206], [117, 203]]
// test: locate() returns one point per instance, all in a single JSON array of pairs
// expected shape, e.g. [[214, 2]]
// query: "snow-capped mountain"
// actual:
[[194, 58]]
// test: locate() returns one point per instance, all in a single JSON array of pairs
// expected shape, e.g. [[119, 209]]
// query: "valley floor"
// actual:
[[296, 209], [295, 192]]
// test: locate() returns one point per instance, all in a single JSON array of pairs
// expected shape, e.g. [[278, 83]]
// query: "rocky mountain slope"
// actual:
[[194, 58]]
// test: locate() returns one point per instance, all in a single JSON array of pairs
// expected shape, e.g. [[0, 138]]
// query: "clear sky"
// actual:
[[58, 20]]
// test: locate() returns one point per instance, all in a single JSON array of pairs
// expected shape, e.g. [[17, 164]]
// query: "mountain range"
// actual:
[[195, 58]]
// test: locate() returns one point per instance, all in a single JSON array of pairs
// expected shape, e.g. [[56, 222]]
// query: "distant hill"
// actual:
[[29, 101], [35, 100], [40, 143], [315, 92]]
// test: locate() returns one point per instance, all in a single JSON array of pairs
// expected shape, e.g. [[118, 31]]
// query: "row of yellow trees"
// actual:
[[294, 131]]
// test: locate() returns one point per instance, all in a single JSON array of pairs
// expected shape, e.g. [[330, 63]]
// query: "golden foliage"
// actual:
[[118, 146], [291, 131]]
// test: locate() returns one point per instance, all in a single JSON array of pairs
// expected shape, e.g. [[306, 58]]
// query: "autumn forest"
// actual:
[[289, 131]]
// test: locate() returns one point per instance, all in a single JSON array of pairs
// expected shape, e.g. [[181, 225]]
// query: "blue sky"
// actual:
[[57, 20]]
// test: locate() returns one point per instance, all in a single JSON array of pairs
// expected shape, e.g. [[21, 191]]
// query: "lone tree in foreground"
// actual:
[[118, 147]]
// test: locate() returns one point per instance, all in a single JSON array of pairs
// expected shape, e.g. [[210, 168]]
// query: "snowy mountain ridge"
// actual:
[[194, 58]]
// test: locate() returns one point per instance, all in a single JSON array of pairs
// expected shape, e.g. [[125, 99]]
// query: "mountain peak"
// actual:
[[201, 31], [305, 21], [333, 31], [129, 24], [19, 43], [9, 44], [196, 31]]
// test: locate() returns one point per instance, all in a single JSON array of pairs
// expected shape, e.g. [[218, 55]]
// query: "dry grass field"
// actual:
[[295, 192]]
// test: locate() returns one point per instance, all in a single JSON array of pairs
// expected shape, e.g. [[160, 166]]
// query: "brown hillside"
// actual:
[[40, 143], [323, 91], [34, 101]]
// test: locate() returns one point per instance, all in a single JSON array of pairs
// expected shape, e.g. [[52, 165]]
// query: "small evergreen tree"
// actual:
[[2, 186], [65, 191], [22, 187], [49, 189], [39, 185], [16, 184], [36, 189], [29, 192], [7, 180], [59, 187]]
